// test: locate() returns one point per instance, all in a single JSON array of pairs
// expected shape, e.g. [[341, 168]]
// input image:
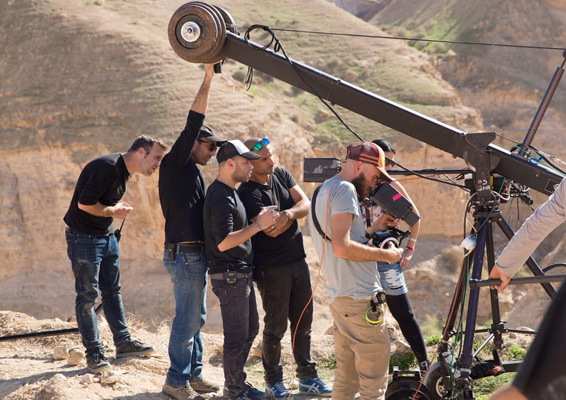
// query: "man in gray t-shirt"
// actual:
[[361, 348]]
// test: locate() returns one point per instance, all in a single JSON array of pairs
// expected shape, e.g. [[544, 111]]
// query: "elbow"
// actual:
[[339, 250], [222, 247]]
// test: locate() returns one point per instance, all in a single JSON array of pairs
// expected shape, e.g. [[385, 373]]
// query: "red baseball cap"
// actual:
[[369, 153]]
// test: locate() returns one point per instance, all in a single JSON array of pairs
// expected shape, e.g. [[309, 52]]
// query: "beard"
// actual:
[[360, 183], [241, 174]]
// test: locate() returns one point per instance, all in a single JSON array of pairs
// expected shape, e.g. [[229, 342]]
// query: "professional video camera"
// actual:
[[384, 239], [393, 203]]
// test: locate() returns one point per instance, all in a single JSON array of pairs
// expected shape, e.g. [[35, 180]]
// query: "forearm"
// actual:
[[98, 209], [200, 104], [544, 220], [359, 252], [236, 238], [299, 210]]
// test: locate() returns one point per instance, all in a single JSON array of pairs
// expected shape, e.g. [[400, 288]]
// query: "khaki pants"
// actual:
[[362, 352]]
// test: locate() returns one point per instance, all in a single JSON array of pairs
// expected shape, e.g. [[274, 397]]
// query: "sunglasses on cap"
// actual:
[[261, 144], [211, 145]]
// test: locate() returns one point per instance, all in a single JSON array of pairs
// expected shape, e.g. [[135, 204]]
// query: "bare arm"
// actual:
[[120, 210], [412, 239], [299, 210], [200, 104], [345, 248]]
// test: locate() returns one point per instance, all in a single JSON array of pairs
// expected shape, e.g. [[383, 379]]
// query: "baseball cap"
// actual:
[[233, 148], [369, 153], [207, 133]]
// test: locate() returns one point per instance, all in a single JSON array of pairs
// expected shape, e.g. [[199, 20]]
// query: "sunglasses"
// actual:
[[261, 144], [389, 162], [211, 145]]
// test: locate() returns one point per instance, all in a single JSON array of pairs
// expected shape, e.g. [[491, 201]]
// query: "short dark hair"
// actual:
[[147, 143], [385, 145]]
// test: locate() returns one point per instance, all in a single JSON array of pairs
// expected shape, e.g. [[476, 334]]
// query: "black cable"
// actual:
[[278, 47], [413, 39]]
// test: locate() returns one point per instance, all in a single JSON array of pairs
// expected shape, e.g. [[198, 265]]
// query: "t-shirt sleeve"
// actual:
[[285, 177], [98, 182], [222, 218], [344, 199], [252, 201]]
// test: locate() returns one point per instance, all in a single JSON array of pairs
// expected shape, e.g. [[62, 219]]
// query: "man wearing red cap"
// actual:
[[361, 339]]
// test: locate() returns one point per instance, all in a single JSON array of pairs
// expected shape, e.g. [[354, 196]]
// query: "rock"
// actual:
[[110, 377], [75, 357], [60, 353]]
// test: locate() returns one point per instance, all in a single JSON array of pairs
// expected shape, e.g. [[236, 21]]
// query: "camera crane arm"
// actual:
[[199, 32]]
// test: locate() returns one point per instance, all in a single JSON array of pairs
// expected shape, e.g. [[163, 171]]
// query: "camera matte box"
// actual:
[[394, 203]]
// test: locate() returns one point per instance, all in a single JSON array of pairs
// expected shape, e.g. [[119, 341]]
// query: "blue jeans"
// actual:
[[392, 279], [188, 274], [240, 323], [96, 265]]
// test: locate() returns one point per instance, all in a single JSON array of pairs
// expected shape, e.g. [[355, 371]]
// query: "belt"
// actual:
[[238, 275], [188, 248], [67, 229]]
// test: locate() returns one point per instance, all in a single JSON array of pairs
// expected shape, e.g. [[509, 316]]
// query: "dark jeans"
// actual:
[[285, 291], [240, 323], [96, 266]]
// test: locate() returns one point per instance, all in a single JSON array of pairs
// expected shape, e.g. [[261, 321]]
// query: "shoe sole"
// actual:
[[316, 394], [136, 353], [205, 391], [99, 370]]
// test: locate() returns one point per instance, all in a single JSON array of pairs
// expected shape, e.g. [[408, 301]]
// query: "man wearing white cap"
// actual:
[[229, 251]]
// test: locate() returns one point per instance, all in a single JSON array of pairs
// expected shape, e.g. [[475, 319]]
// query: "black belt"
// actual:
[[188, 248], [67, 229], [178, 248], [237, 275]]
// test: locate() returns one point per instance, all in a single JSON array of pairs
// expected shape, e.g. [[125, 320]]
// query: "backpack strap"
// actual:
[[314, 218]]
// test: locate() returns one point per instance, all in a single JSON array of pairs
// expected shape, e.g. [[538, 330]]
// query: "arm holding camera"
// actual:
[[344, 247], [412, 239]]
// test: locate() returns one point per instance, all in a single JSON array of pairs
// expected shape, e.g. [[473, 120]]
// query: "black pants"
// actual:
[[285, 290], [240, 324], [401, 309]]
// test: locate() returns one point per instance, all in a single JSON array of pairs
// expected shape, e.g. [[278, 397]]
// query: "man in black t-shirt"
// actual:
[[92, 245], [282, 274], [181, 192], [229, 251]]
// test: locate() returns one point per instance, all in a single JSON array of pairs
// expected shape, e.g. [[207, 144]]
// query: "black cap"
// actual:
[[233, 148], [207, 133]]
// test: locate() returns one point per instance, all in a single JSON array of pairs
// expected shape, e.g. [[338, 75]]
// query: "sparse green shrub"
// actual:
[[516, 352], [405, 361]]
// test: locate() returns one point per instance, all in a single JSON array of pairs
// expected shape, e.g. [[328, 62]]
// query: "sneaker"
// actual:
[[315, 386], [133, 348], [97, 364], [203, 386], [277, 391], [253, 393], [180, 393]]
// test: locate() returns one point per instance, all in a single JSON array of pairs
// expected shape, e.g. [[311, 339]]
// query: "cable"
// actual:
[[414, 39], [279, 47]]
